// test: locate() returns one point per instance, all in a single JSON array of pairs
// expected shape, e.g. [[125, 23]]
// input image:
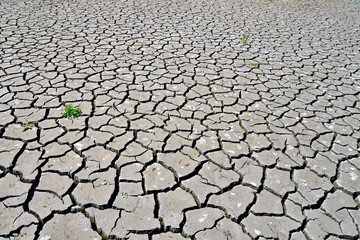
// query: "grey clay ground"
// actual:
[[189, 131]]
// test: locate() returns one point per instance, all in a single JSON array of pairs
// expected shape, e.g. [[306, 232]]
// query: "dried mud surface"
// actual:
[[201, 119]]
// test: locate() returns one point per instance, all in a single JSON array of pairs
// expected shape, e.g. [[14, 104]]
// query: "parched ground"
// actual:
[[202, 119]]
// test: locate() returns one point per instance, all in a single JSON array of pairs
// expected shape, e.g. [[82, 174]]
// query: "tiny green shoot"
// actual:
[[244, 38], [124, 194], [92, 219], [71, 112], [27, 125], [254, 64], [137, 7]]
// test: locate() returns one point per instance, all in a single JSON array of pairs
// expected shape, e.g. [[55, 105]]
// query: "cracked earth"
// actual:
[[200, 119]]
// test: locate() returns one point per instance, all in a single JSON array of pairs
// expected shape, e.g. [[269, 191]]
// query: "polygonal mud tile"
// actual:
[[8, 151], [18, 130], [131, 172], [55, 150], [293, 210], [48, 135], [84, 172], [279, 181], [130, 188], [258, 142], [269, 227], [348, 177], [224, 229], [97, 192], [132, 152], [13, 191], [320, 225], [200, 187], [171, 205], [73, 124], [235, 201], [295, 155], [193, 154], [99, 137], [26, 233], [105, 218], [157, 177], [141, 124], [267, 157], [337, 205], [70, 226], [235, 150], [98, 121], [311, 187], [176, 123], [322, 165], [298, 236], [232, 135], [181, 163], [54, 182], [27, 163], [169, 236], [84, 143], [101, 155], [250, 171], [151, 139], [220, 158], [67, 163], [138, 216], [176, 142], [217, 176], [43, 203], [13, 218], [207, 142], [200, 219], [6, 118], [267, 202]]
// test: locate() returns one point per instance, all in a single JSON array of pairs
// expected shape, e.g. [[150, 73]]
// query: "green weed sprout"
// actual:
[[254, 64], [27, 125], [244, 38], [71, 112]]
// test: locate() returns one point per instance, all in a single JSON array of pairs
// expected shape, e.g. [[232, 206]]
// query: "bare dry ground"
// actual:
[[200, 119]]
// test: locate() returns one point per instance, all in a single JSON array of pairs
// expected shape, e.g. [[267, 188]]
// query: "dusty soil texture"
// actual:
[[200, 119]]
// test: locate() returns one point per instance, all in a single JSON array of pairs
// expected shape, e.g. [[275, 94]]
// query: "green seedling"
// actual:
[[254, 64], [244, 38], [137, 7], [27, 125], [92, 219], [103, 235], [124, 194], [71, 112]]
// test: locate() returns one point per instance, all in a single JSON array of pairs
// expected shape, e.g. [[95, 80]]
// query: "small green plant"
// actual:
[[254, 64], [244, 38], [71, 112], [92, 219], [27, 125], [124, 194], [137, 7], [103, 235]]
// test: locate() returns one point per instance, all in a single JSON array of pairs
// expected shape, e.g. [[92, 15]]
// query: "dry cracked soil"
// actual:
[[201, 119]]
